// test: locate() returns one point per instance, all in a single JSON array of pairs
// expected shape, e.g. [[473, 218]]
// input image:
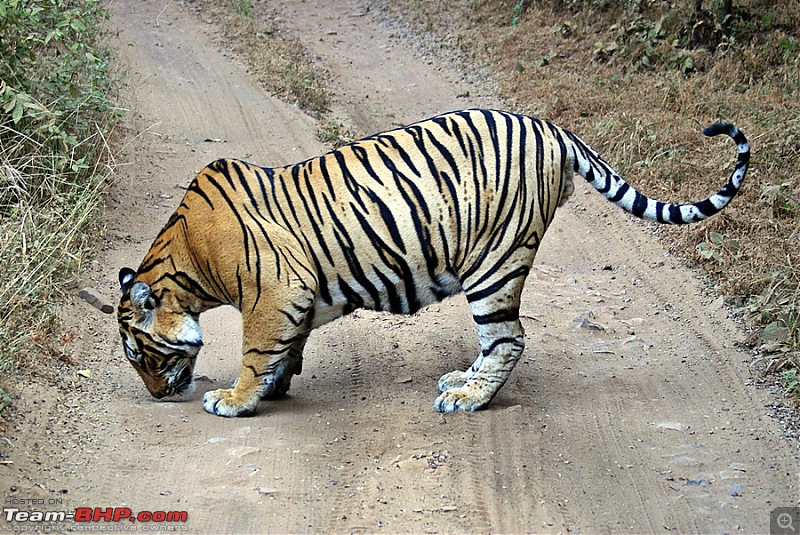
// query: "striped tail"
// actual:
[[604, 179]]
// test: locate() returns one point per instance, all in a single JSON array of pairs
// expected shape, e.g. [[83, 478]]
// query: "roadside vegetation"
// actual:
[[55, 117], [638, 79]]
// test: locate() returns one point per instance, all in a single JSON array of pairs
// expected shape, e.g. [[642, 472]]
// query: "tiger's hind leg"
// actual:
[[278, 385], [495, 310], [457, 378]]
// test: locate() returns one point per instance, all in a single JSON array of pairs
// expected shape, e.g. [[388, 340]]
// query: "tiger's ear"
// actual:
[[126, 276], [142, 297]]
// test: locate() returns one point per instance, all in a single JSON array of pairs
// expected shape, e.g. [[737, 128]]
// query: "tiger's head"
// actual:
[[160, 339]]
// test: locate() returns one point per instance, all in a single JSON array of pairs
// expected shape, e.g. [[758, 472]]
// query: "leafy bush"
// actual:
[[55, 115]]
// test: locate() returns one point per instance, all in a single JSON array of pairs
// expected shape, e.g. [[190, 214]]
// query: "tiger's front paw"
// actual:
[[459, 399], [454, 379], [225, 402]]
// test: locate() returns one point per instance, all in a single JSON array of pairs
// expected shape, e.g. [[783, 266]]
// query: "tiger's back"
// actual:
[[393, 222]]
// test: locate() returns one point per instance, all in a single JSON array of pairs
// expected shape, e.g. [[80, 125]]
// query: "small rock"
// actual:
[[266, 491], [241, 451], [673, 426], [215, 440], [583, 323], [690, 462], [730, 474], [607, 266], [403, 379]]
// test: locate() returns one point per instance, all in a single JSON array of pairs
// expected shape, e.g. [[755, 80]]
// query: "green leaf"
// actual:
[[775, 332], [10, 103], [716, 238], [16, 115], [706, 250]]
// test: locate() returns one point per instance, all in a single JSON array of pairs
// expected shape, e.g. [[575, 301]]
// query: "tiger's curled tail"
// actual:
[[605, 180]]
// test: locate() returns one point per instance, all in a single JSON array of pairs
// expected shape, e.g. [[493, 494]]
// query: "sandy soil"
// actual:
[[632, 410]]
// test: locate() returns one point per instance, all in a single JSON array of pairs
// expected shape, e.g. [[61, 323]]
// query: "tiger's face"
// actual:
[[160, 341]]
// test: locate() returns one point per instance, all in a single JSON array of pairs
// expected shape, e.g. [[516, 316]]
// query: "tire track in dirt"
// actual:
[[691, 436], [513, 501], [611, 440]]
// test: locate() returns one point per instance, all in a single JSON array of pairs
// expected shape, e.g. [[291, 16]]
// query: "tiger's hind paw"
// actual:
[[277, 386], [225, 402], [277, 389], [454, 379], [459, 399]]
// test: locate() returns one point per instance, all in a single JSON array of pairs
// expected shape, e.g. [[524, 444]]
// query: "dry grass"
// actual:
[[581, 64], [278, 61], [48, 204], [55, 115]]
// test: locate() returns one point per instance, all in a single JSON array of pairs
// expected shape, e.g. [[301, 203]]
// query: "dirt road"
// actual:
[[630, 411]]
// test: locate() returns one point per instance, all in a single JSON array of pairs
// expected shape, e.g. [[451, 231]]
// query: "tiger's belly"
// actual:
[[382, 292]]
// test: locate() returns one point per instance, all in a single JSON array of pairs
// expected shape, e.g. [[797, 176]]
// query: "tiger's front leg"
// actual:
[[274, 338], [262, 376]]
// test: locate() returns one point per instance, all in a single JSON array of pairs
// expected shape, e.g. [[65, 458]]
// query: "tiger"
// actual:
[[458, 203]]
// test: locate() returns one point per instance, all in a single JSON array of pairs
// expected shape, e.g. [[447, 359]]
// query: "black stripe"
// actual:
[[493, 288], [194, 187], [623, 189], [499, 316], [363, 156], [390, 291], [639, 204], [706, 208], [499, 341], [235, 212]]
